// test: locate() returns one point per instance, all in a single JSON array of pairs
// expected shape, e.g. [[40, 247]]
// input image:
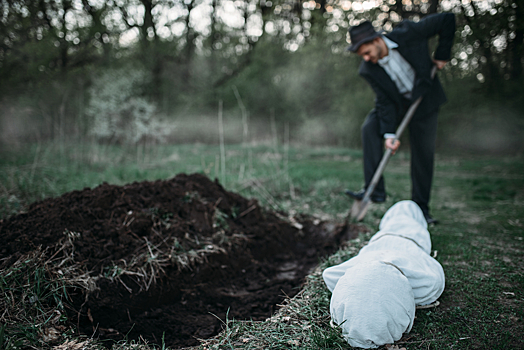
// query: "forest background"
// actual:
[[142, 72]]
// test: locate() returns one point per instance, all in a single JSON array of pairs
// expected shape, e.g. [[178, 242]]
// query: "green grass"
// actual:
[[479, 201], [32, 303]]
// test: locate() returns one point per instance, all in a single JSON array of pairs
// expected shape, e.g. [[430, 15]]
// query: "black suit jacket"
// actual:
[[412, 39]]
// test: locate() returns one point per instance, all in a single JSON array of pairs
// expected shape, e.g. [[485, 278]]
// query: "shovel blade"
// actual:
[[359, 209]]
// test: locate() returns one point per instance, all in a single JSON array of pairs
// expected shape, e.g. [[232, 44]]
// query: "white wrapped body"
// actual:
[[374, 294]]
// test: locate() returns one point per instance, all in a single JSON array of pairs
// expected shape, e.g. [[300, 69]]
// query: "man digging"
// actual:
[[398, 67]]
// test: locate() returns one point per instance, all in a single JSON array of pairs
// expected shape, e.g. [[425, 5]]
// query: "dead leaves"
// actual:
[[394, 347], [293, 342], [71, 345], [430, 306], [50, 334]]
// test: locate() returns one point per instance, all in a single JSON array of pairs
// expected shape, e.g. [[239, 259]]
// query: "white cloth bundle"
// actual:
[[376, 290], [373, 304]]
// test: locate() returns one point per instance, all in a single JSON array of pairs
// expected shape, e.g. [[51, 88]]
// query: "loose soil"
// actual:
[[170, 259]]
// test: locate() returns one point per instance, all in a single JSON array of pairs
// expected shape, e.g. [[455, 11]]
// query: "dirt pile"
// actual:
[[171, 258]]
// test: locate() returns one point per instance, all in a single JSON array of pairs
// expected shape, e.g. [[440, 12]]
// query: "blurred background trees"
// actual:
[[105, 69]]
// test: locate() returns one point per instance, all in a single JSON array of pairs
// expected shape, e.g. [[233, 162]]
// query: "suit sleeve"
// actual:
[[443, 25], [387, 111]]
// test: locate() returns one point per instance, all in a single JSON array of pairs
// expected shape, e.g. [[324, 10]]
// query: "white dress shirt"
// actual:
[[399, 70]]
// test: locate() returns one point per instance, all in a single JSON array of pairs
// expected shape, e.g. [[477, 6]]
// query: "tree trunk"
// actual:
[[516, 45], [433, 6], [189, 49], [150, 52]]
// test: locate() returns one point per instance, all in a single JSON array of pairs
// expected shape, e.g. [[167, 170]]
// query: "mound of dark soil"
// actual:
[[171, 258]]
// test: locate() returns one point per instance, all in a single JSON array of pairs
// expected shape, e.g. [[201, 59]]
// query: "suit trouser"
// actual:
[[422, 137]]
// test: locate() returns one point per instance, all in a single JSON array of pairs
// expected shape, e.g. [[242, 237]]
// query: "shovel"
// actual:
[[360, 207]]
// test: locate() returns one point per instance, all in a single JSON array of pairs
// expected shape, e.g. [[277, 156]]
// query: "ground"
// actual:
[[170, 260]]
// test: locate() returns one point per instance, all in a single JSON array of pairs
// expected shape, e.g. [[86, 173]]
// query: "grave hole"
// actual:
[[172, 259]]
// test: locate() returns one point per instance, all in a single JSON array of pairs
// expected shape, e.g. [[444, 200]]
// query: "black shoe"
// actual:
[[375, 198], [430, 220]]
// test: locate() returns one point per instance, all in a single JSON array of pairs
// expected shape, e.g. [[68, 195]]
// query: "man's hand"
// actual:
[[440, 64], [392, 144]]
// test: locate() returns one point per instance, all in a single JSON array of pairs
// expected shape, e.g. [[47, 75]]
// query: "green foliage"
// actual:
[[316, 90], [120, 114], [286, 60], [33, 298], [492, 38], [220, 219], [313, 81]]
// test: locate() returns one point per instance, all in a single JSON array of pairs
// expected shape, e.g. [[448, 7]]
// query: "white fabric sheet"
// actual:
[[363, 285], [373, 304]]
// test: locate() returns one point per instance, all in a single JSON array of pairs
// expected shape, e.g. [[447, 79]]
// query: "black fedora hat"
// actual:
[[361, 34]]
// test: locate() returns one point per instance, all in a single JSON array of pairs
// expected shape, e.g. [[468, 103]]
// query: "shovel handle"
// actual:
[[411, 110], [387, 153]]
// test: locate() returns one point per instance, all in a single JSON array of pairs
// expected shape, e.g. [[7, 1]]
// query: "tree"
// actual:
[[493, 39]]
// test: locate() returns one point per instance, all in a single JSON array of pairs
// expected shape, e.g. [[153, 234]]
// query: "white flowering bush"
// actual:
[[119, 112]]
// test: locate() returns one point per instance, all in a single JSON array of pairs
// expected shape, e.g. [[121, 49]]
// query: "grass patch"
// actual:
[[32, 302], [480, 240]]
